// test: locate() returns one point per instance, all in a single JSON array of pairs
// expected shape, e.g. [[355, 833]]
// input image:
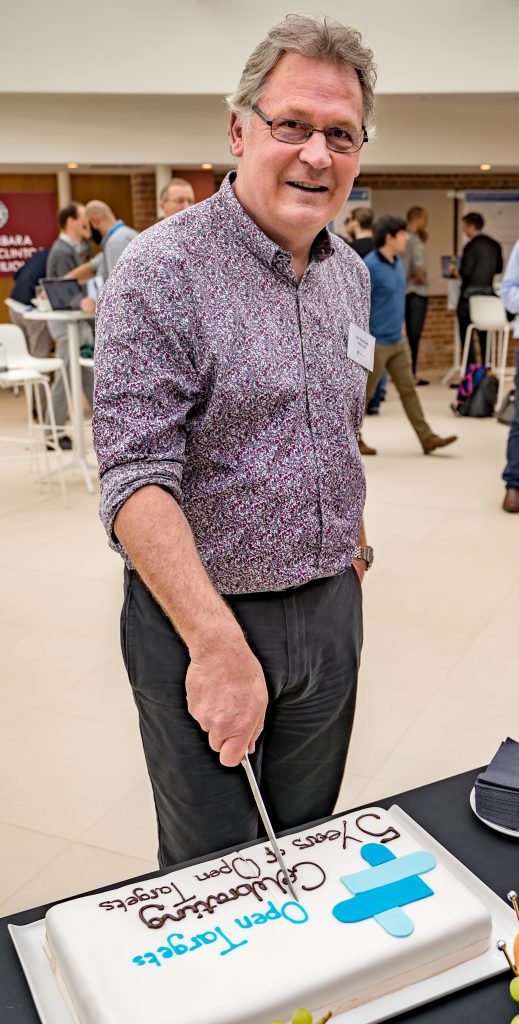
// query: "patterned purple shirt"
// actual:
[[223, 380]]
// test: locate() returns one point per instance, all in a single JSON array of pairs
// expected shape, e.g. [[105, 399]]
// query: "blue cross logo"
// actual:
[[381, 891]]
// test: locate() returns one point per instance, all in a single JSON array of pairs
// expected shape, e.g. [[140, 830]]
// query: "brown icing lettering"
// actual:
[[270, 856], [345, 836], [389, 833], [253, 888], [225, 869], [140, 895], [320, 837]]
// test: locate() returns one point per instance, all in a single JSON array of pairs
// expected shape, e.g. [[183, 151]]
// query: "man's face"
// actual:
[[398, 242], [469, 230], [84, 226], [77, 227], [423, 221], [272, 175], [178, 198]]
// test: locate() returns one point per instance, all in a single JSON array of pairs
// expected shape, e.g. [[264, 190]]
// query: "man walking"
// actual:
[[414, 261], [392, 351], [226, 424]]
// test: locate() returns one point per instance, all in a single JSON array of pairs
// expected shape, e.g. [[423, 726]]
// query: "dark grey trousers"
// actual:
[[308, 640]]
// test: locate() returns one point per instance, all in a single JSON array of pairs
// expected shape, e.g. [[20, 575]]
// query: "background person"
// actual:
[[27, 278], [414, 261], [481, 260], [176, 196], [510, 297], [226, 430], [360, 227], [111, 234], [386, 322], [67, 255]]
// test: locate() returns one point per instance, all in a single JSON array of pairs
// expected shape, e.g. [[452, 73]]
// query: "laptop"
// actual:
[[62, 294]]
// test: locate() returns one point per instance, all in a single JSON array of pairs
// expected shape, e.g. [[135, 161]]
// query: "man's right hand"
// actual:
[[227, 695]]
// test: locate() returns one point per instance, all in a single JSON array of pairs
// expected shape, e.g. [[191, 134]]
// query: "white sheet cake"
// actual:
[[223, 942]]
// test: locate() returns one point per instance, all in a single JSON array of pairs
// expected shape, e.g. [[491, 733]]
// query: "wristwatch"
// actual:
[[366, 554]]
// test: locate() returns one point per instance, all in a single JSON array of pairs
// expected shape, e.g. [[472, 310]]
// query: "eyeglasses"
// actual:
[[296, 133]]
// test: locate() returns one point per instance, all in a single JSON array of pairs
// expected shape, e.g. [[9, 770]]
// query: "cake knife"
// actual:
[[266, 821]]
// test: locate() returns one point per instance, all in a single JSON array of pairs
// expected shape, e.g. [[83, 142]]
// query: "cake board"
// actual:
[[28, 941]]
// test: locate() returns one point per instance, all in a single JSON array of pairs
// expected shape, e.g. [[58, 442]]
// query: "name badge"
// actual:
[[361, 347]]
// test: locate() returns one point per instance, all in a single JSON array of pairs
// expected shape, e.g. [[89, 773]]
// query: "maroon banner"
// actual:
[[27, 223]]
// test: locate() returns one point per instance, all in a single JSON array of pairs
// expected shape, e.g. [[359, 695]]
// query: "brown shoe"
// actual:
[[365, 449], [434, 441], [511, 502]]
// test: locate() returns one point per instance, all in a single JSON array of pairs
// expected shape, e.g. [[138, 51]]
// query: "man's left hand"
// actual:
[[360, 568], [87, 305]]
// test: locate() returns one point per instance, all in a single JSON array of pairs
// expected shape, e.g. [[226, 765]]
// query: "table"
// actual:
[[442, 808], [72, 319]]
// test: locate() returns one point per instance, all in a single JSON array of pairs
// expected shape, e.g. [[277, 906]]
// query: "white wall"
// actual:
[[451, 133], [200, 46]]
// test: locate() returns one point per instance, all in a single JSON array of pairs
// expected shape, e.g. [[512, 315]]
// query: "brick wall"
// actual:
[[144, 202], [457, 182], [437, 341]]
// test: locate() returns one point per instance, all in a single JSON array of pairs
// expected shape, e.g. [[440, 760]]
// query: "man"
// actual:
[[66, 256], [176, 196], [414, 260], [27, 278], [227, 412], [482, 259], [510, 297], [111, 234], [360, 227], [392, 351]]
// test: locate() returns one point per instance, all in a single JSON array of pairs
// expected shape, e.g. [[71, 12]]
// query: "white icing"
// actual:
[[257, 955]]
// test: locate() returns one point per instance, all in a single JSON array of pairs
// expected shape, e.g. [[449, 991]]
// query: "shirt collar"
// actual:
[[384, 259], [118, 224], [249, 234], [77, 246]]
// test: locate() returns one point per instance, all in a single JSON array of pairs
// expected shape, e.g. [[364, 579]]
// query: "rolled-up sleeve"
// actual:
[[145, 385]]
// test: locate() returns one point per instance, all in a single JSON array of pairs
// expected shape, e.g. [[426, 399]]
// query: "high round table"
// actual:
[[72, 318]]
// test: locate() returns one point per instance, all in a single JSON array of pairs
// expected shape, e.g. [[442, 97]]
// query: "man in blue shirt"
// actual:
[[510, 297], [392, 352]]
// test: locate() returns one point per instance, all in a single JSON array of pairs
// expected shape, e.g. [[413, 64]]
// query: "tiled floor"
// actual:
[[439, 676]]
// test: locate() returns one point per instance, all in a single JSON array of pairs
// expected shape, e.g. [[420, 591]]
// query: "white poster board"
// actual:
[[500, 211]]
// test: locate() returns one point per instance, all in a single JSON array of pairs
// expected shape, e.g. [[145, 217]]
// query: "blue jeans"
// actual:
[[308, 640], [511, 473]]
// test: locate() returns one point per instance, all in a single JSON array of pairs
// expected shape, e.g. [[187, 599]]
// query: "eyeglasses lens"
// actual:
[[296, 133]]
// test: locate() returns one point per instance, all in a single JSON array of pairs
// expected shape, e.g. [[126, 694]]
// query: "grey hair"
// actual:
[[170, 184], [320, 38]]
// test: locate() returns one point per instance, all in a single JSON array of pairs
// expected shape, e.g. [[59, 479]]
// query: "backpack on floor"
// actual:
[[477, 393]]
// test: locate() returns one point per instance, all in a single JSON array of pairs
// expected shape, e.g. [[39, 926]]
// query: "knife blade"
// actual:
[[266, 821]]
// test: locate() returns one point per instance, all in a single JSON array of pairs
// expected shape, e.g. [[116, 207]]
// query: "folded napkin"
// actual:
[[497, 788]]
